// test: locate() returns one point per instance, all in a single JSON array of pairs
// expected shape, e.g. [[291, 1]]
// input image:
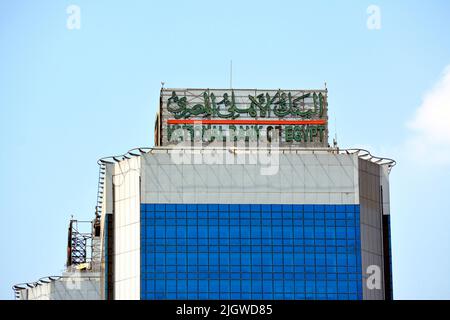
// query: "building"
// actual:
[[81, 280], [243, 198]]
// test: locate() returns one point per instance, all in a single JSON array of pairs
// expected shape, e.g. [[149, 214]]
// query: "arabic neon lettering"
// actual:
[[280, 105]]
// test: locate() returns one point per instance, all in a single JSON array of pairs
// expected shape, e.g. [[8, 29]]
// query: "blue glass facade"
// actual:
[[220, 251]]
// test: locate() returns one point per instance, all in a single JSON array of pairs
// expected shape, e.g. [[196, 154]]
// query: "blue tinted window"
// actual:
[[223, 251]]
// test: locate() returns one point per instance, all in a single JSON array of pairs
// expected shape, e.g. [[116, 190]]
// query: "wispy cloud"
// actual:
[[430, 140]]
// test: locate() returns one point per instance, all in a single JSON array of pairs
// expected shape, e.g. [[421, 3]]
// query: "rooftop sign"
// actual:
[[216, 116]]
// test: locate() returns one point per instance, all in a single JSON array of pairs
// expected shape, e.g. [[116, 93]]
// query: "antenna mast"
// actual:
[[231, 74]]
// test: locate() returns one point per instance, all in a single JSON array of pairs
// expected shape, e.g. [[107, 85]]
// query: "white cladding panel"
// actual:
[[371, 226], [320, 178], [384, 178], [72, 286], [127, 229]]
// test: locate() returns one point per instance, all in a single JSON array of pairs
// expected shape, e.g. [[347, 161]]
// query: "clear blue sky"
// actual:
[[69, 97]]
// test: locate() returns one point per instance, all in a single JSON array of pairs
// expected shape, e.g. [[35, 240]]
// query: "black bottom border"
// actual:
[[221, 309]]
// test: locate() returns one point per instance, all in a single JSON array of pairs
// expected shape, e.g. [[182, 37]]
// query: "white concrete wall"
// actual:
[[127, 229]]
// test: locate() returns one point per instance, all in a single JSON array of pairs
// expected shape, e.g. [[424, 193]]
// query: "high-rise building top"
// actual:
[[243, 198]]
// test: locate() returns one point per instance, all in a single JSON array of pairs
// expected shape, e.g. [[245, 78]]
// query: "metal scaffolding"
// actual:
[[81, 237]]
